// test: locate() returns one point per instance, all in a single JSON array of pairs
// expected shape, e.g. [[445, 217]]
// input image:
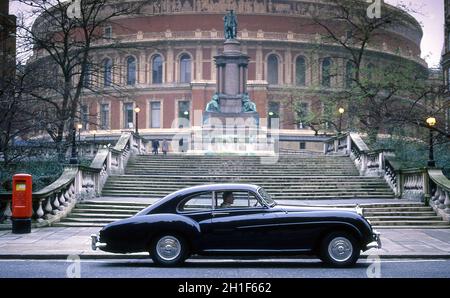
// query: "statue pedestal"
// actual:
[[226, 127]]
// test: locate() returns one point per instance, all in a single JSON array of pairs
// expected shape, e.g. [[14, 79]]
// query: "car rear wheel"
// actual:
[[339, 249], [169, 250]]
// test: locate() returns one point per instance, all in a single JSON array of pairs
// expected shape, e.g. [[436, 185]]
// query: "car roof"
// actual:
[[200, 188], [220, 186]]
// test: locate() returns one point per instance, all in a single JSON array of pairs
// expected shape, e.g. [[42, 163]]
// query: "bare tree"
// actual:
[[63, 42], [377, 96]]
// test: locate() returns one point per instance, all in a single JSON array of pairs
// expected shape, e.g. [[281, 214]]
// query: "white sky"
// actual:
[[431, 17]]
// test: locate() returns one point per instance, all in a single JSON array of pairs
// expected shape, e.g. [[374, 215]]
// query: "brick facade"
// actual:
[[176, 28]]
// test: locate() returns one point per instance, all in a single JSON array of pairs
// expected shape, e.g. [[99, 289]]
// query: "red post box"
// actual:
[[22, 203]]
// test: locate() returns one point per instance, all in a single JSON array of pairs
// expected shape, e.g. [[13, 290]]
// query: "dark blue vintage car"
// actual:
[[238, 219]]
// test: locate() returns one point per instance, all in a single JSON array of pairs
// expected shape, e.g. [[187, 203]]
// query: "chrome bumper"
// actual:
[[376, 240], [95, 242]]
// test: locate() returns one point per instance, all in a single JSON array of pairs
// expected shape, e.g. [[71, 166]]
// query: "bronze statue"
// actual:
[[213, 105], [247, 105], [230, 25]]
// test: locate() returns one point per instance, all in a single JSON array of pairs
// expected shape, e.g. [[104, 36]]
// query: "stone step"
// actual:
[[428, 227], [89, 220], [404, 218], [286, 177], [273, 189], [399, 209], [247, 174], [417, 223], [99, 215], [382, 214], [108, 206], [104, 210], [78, 224], [117, 203], [298, 197]]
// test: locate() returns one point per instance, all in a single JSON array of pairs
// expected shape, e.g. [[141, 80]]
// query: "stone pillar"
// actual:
[[288, 67], [231, 79], [259, 63], [213, 66], [142, 72], [217, 78], [169, 68], [222, 79], [199, 63]]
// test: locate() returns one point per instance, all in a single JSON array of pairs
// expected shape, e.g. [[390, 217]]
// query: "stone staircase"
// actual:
[[293, 178]]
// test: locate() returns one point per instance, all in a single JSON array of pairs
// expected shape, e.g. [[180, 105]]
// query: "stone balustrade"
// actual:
[[428, 185], [77, 182], [440, 193]]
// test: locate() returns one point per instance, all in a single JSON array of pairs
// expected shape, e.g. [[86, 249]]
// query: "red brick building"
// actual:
[[166, 61]]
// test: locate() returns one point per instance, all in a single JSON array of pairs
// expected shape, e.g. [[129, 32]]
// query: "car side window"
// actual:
[[235, 199], [196, 202]]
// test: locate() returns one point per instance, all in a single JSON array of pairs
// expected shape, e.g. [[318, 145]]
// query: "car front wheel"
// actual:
[[169, 250], [339, 249]]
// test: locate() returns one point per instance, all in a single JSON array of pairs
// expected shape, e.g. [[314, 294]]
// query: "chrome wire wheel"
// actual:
[[340, 249], [168, 248]]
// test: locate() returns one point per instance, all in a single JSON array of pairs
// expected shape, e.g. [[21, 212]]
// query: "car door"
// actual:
[[198, 207], [246, 225]]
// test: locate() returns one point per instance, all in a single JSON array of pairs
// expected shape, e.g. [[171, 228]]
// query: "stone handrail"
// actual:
[[428, 185], [440, 198], [77, 182]]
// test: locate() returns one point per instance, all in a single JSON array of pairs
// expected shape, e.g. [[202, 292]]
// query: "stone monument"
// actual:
[[231, 120], [231, 102]]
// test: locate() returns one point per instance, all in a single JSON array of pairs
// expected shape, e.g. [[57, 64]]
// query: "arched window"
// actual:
[[300, 71], [157, 69], [107, 72], [185, 68], [272, 69], [326, 72], [131, 71], [349, 74]]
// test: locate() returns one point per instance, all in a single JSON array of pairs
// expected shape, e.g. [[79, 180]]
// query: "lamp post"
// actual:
[[79, 126], [137, 109], [341, 112], [74, 156], [431, 121]]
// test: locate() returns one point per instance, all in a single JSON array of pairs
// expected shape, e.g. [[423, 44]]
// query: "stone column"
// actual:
[[213, 66], [169, 68], [288, 67], [259, 63], [199, 63], [142, 78], [217, 78]]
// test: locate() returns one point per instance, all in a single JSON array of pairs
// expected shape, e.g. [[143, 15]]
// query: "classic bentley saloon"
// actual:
[[238, 219]]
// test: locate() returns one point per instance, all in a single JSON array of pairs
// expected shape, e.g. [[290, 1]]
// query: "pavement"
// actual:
[[61, 242]]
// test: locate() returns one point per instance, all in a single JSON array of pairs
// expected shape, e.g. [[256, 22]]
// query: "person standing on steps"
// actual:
[[165, 147], [180, 144], [156, 146]]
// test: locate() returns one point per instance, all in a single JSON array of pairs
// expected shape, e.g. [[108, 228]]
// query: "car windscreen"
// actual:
[[266, 197]]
